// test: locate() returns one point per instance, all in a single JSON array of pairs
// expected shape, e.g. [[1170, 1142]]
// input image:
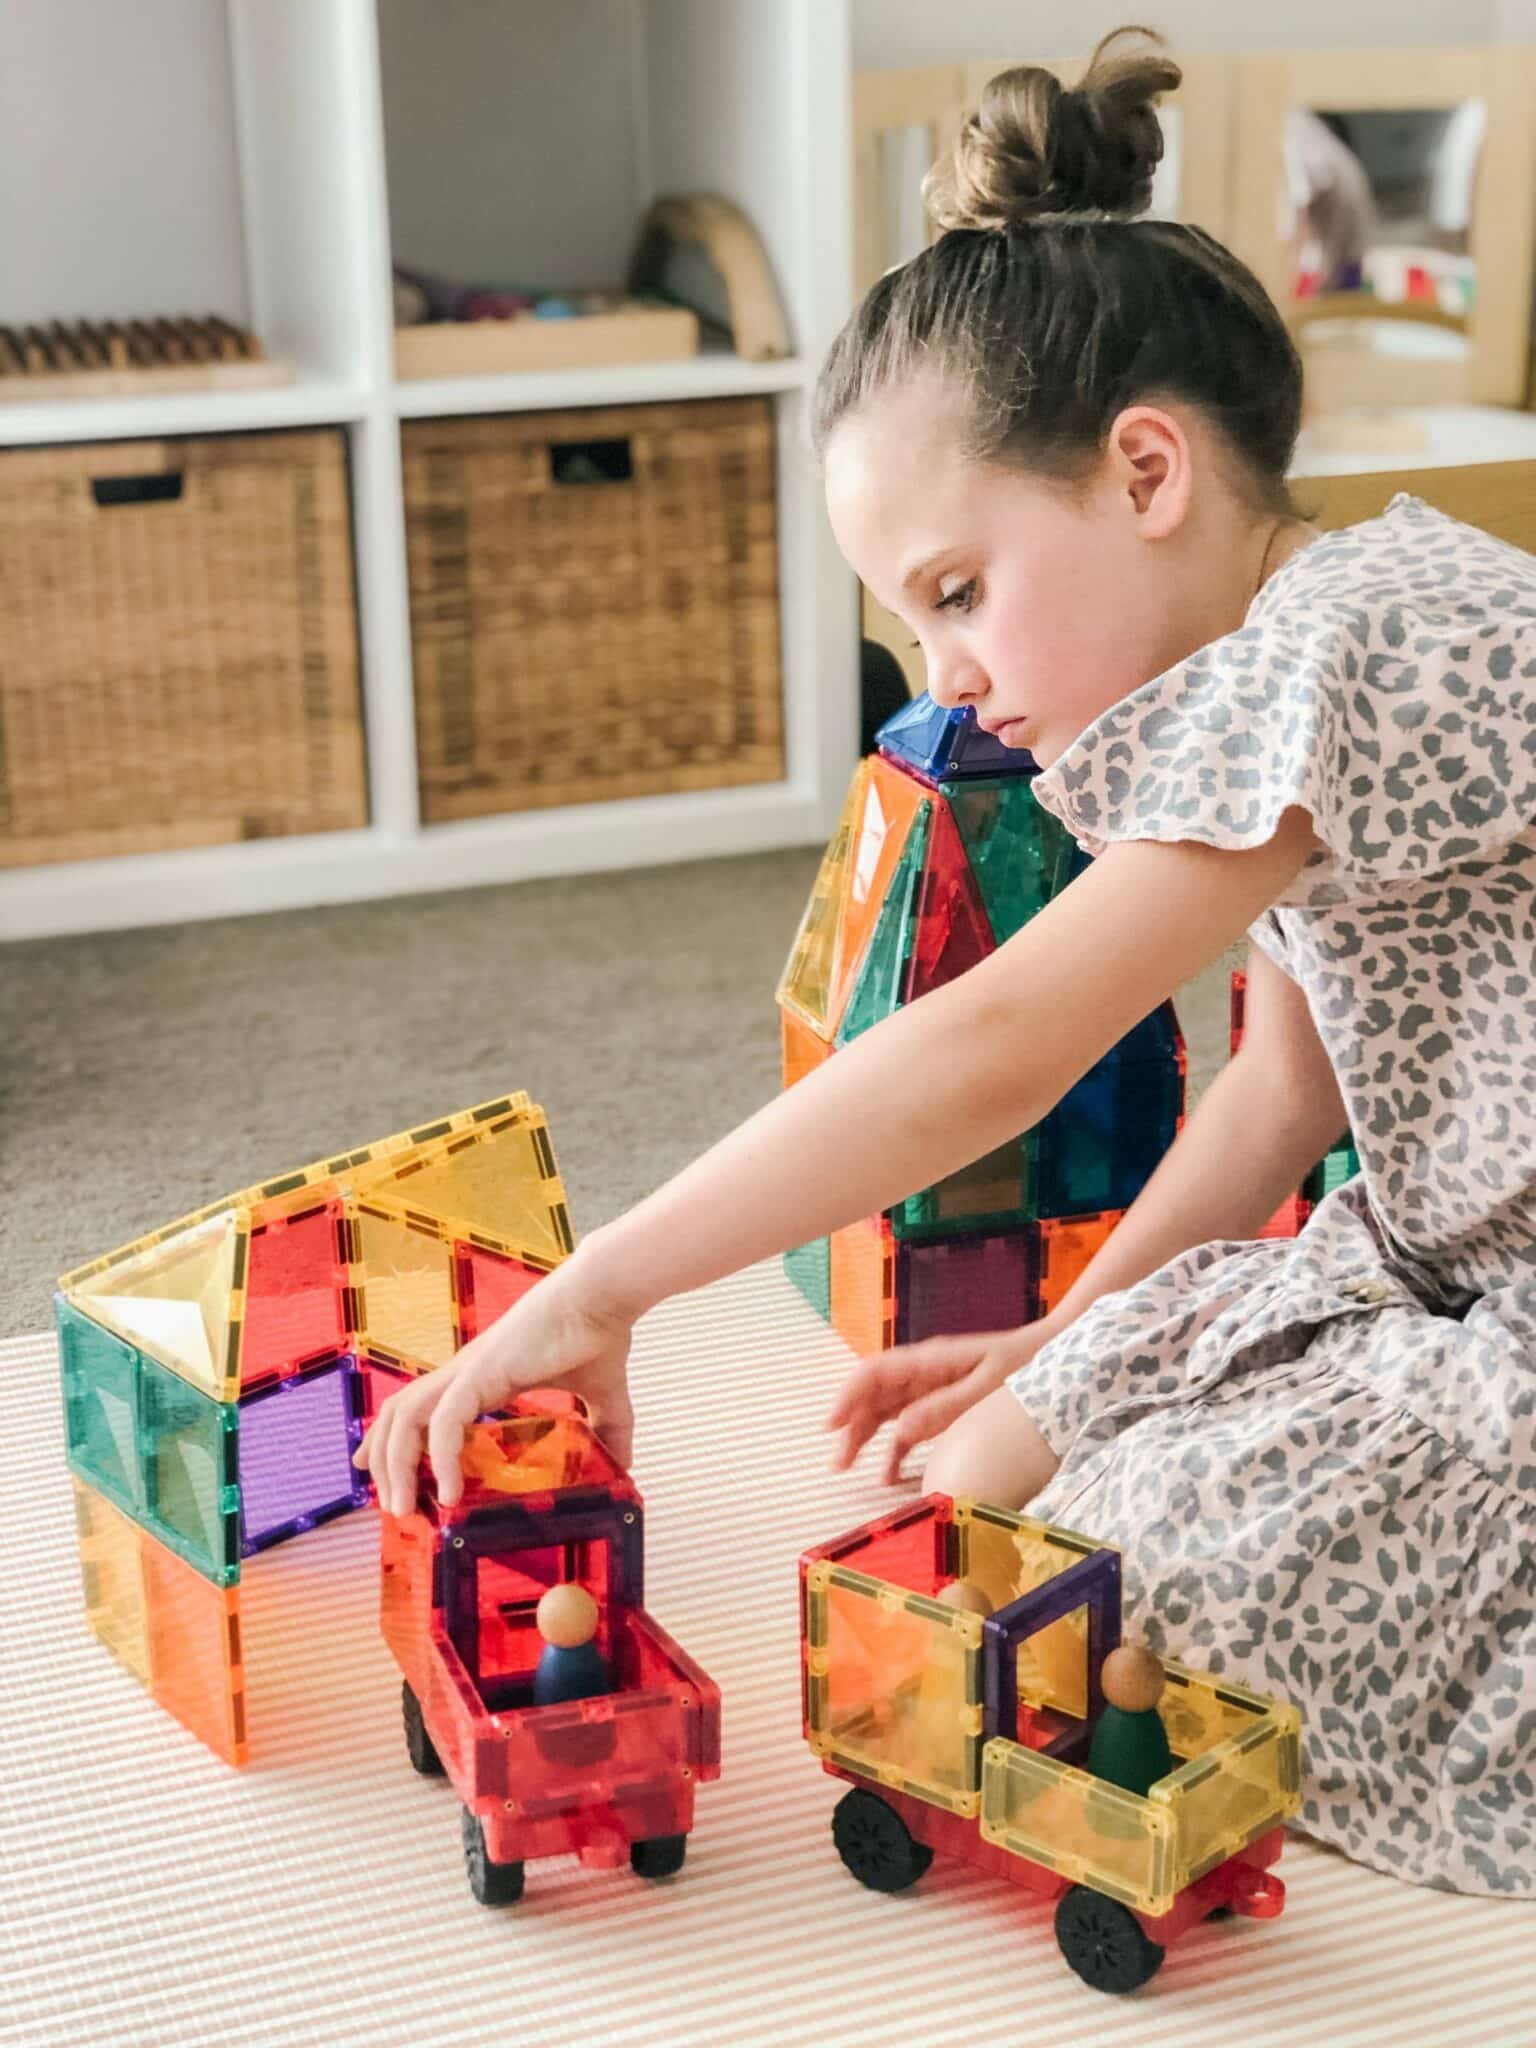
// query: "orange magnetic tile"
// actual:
[[864, 1286], [1288, 1218], [197, 1668], [1066, 1246], [803, 1050], [888, 803]]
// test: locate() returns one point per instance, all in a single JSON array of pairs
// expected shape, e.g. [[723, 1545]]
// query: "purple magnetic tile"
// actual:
[[955, 1285], [591, 1518], [1095, 1581], [296, 1445], [510, 1529]]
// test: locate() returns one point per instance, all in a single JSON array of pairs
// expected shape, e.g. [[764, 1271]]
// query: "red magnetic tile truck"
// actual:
[[966, 1732], [604, 1778]]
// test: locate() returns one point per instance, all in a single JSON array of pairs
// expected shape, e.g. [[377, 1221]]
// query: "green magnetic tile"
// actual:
[[1020, 855], [991, 1194], [100, 1375], [809, 1266], [190, 1449], [1332, 1171]]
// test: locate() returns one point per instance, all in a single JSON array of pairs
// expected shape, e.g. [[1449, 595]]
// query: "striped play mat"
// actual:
[[151, 1897]]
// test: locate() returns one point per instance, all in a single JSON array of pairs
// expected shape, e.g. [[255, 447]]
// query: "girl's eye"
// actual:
[[960, 599]]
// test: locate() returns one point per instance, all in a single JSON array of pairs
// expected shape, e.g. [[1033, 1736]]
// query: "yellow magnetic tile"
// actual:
[[177, 1298], [806, 988], [406, 1290], [115, 1607], [903, 1689], [497, 1183]]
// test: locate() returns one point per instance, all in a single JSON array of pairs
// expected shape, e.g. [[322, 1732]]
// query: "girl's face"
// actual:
[[1039, 605]]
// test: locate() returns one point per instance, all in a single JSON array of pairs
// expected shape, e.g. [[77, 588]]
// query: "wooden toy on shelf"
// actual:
[[117, 358], [703, 252], [698, 263]]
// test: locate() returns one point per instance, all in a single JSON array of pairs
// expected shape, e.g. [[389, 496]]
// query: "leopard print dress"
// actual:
[[1319, 1455]]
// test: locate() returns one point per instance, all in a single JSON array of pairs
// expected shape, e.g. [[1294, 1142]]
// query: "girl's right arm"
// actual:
[[942, 1082], [1263, 1123]]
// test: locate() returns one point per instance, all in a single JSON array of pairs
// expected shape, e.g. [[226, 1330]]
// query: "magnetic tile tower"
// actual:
[[219, 1374], [941, 854]]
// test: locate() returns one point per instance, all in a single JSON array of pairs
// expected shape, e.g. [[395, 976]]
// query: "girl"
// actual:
[[1056, 444]]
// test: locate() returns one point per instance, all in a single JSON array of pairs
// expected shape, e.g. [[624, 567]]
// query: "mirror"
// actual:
[[1377, 211]]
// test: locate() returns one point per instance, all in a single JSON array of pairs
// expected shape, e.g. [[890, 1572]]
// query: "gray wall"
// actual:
[[119, 181], [890, 33]]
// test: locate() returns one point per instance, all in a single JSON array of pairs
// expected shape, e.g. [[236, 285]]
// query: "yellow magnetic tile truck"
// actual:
[[967, 1732]]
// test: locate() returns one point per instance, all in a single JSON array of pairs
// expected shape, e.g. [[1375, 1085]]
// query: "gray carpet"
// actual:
[[146, 1073]]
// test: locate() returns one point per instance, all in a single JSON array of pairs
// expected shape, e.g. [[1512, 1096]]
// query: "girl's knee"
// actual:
[[993, 1453]]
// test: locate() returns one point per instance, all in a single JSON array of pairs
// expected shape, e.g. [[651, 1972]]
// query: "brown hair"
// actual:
[[1051, 307]]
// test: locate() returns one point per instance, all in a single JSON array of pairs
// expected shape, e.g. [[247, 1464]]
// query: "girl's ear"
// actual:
[[1149, 457]]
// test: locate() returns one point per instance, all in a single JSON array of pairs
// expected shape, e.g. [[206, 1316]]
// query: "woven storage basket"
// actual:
[[178, 660], [594, 604]]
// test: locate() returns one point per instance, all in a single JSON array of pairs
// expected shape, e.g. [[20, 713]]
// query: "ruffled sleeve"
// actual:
[[1384, 681]]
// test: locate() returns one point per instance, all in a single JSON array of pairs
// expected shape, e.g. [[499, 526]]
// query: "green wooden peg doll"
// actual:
[[1130, 1744]]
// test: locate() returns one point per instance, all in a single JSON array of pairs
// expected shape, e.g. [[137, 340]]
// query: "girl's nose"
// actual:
[[955, 682]]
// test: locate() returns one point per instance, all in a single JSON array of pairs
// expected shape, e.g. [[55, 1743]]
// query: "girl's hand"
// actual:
[[924, 1387], [558, 1333]]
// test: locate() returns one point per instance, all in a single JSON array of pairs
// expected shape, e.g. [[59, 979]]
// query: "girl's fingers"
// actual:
[[451, 1417], [402, 1458], [881, 1387], [853, 1393], [926, 1418]]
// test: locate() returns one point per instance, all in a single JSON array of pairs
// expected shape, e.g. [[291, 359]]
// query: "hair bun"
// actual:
[[1034, 149]]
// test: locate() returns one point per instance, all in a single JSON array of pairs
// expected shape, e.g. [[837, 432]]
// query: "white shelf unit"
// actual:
[[327, 135]]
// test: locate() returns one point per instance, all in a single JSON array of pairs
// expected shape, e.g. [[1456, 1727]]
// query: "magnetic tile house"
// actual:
[[219, 1374], [940, 856]]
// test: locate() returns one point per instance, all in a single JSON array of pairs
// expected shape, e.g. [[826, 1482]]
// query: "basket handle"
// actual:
[[161, 487], [591, 462]]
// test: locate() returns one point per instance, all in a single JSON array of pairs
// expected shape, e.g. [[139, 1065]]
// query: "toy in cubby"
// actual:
[[1339, 1164], [219, 1373], [940, 855]]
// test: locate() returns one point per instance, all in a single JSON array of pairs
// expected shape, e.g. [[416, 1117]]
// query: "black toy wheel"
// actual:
[[418, 1743], [661, 1856], [1103, 1941], [493, 1884], [876, 1843]]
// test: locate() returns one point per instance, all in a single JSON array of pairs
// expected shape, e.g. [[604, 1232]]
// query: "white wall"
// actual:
[[511, 138], [119, 189], [888, 34]]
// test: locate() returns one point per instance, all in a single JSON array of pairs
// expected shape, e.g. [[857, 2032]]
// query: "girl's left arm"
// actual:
[[949, 1078]]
